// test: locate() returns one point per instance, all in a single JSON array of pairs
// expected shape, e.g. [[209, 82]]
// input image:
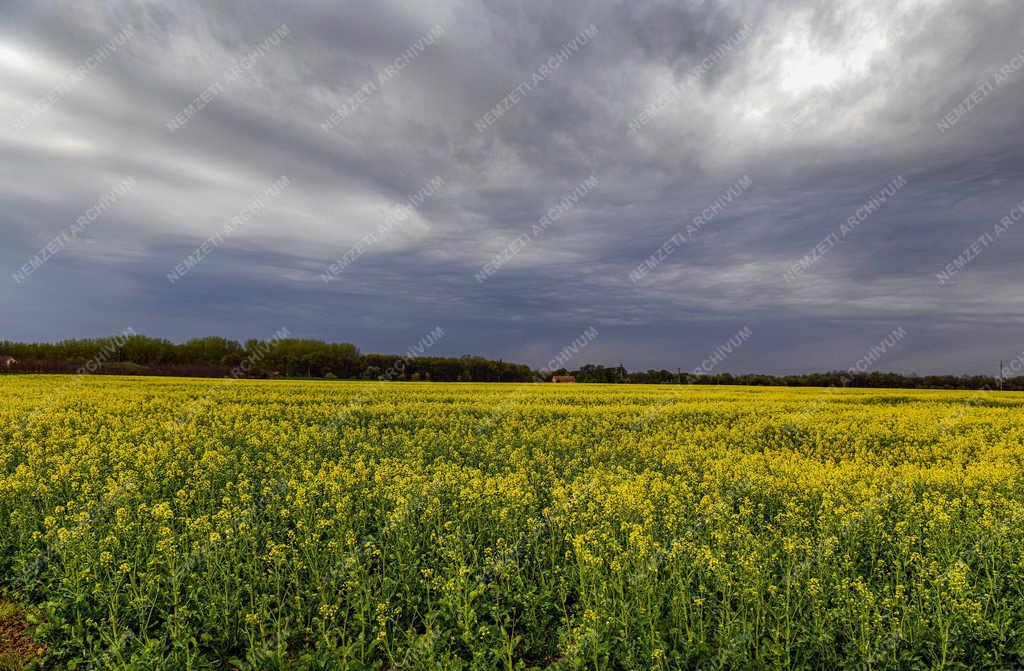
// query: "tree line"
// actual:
[[213, 356], [837, 378], [221, 357]]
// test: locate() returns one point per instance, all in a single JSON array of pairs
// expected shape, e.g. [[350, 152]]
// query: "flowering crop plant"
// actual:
[[160, 523]]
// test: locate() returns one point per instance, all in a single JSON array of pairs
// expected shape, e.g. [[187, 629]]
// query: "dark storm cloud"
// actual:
[[820, 104]]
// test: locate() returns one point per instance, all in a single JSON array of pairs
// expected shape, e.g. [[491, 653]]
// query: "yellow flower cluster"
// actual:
[[417, 525]]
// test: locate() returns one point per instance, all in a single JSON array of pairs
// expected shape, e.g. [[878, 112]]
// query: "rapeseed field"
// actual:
[[194, 524]]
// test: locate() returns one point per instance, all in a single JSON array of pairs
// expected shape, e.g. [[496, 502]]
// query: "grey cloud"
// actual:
[[895, 71]]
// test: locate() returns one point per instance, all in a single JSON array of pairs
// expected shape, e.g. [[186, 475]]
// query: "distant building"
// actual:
[[563, 378], [7, 361]]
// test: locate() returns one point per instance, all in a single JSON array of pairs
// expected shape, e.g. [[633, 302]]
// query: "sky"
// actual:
[[661, 176]]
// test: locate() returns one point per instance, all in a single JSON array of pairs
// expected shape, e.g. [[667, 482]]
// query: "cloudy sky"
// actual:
[[133, 132]]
